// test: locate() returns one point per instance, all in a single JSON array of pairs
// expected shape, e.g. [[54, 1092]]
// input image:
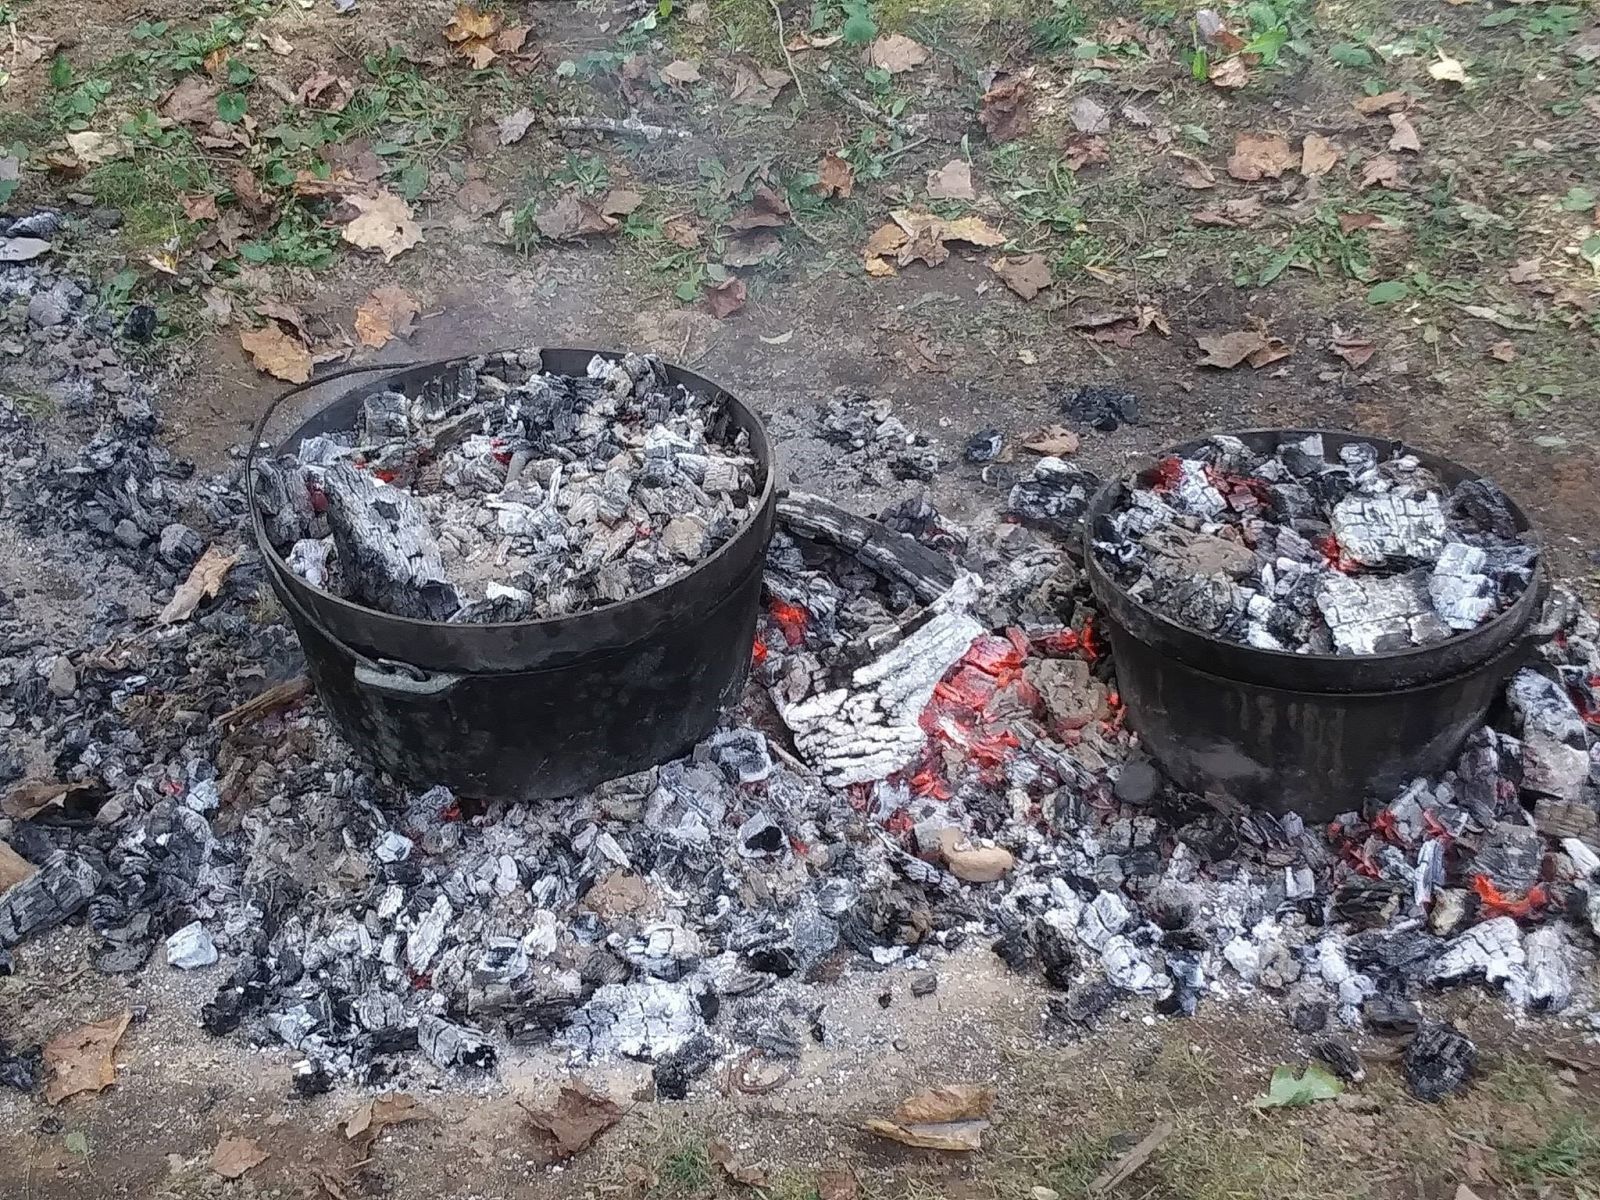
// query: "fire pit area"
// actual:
[[930, 750]]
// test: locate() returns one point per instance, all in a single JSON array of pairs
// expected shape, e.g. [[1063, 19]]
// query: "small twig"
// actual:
[[865, 107], [627, 126], [783, 45]]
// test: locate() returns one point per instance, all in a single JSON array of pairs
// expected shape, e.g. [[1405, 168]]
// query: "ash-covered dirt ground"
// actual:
[[1503, 176]]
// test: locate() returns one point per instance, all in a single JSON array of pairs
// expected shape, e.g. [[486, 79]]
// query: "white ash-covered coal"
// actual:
[[1314, 551], [929, 759], [504, 492]]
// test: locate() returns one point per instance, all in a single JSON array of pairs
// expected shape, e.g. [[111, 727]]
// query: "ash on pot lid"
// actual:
[[1310, 551], [507, 493]]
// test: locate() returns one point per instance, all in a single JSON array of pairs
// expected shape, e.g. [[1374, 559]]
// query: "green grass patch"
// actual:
[[1571, 1151]]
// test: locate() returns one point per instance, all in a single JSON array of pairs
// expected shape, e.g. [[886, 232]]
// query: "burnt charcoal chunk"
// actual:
[[20, 1069], [310, 1079], [1481, 504], [1054, 497], [1439, 1062], [1084, 1006], [984, 446], [1016, 951], [924, 983], [1366, 903], [1101, 406], [140, 323], [1056, 954], [1342, 1058], [673, 1075], [1309, 1017], [772, 960], [1391, 1015]]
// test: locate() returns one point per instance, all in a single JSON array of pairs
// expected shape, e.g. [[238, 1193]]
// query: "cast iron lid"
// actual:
[[561, 359], [1314, 672]]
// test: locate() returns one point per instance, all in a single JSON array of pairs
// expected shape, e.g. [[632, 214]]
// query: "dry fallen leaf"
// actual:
[[479, 198], [1088, 117], [1228, 350], [835, 177], [324, 83], [514, 127], [974, 230], [1349, 222], [1261, 156], [751, 249], [721, 1153], [1231, 214], [952, 1117], [276, 353], [896, 54], [80, 1059], [1229, 73], [387, 313], [1405, 134], [1503, 351], [1027, 276], [92, 149], [682, 230], [953, 181], [1383, 102], [235, 1154], [1356, 351], [31, 797], [1003, 110], [385, 225], [1448, 70], [379, 1112], [726, 298], [766, 210], [578, 1117], [757, 87], [193, 101], [278, 44], [1318, 155], [205, 579], [1527, 270], [1085, 150], [680, 72], [1194, 173], [1057, 441], [199, 208], [469, 23], [837, 1183], [13, 867], [571, 217], [1381, 171]]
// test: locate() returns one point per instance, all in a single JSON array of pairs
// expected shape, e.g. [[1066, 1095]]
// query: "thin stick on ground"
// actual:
[[865, 107], [626, 127], [783, 45]]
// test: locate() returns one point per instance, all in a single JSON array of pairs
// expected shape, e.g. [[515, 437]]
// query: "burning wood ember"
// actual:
[[1310, 552], [505, 493], [930, 760]]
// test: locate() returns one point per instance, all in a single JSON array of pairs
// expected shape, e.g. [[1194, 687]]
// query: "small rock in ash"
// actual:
[[20, 1069], [1309, 1017], [1439, 1061], [140, 325], [924, 984], [1391, 1015], [984, 446], [1137, 784], [1102, 407]]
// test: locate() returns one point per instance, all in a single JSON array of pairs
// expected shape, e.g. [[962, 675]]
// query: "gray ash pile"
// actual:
[[1315, 552], [503, 492]]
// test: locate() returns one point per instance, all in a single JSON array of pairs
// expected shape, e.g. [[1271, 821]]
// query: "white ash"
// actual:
[[504, 493], [1296, 551], [524, 917]]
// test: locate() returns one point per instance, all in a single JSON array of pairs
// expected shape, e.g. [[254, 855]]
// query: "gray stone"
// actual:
[[1137, 783], [180, 546], [63, 678], [191, 948], [48, 309], [106, 217], [129, 534], [22, 249]]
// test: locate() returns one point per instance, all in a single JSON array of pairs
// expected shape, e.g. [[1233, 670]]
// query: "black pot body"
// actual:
[[534, 709], [1311, 733]]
